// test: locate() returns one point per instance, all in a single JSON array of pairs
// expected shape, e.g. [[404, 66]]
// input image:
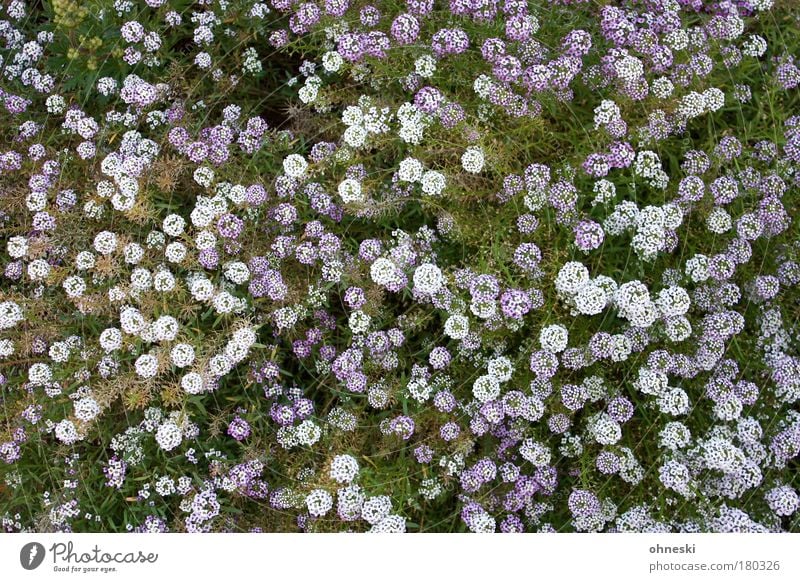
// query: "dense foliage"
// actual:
[[408, 265]]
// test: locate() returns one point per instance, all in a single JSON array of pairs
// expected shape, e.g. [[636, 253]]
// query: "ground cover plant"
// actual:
[[402, 265]]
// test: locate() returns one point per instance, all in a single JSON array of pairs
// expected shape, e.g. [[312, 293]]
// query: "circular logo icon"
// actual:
[[31, 555]]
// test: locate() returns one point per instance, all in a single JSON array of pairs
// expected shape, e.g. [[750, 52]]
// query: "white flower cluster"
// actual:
[[456, 326], [754, 46], [633, 302], [412, 123], [629, 69], [66, 432], [344, 468], [604, 191], [425, 66], [304, 434], [251, 63], [384, 271], [587, 296], [10, 314], [390, 524], [648, 166], [554, 338], [358, 322], [364, 120], [605, 113], [411, 170], [428, 279], [662, 88], [651, 225], [350, 191], [472, 160], [124, 170], [332, 61], [169, 435], [535, 452], [487, 387], [603, 429], [319, 502], [632, 299], [718, 221], [309, 91], [295, 166], [695, 104]]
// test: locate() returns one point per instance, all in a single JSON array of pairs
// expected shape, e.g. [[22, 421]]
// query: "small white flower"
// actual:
[[173, 225], [456, 327], [472, 159], [425, 66], [169, 436], [182, 355], [10, 314], [66, 433], [105, 242], [295, 165], [554, 338], [332, 61], [74, 286], [433, 183], [350, 191], [192, 383], [146, 366], [410, 170], [383, 271], [319, 502], [428, 279], [358, 322], [344, 468]]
